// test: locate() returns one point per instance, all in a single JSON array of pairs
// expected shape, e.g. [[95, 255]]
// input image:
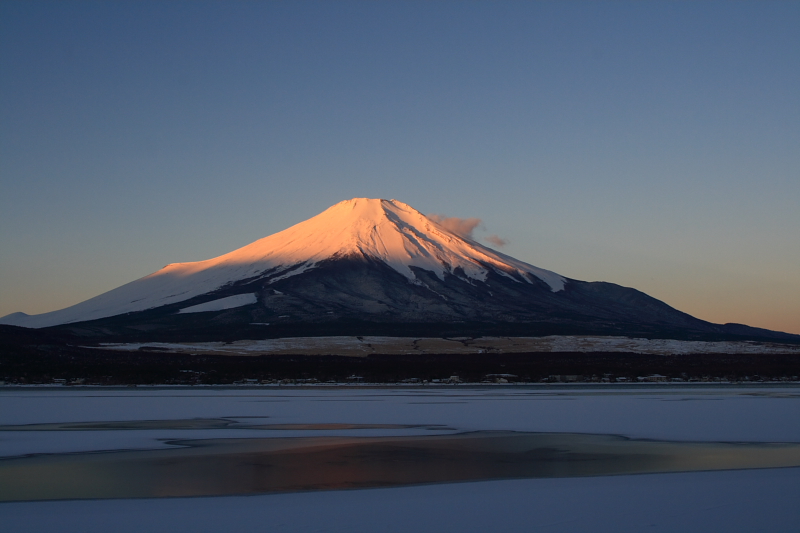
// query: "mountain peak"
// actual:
[[386, 230]]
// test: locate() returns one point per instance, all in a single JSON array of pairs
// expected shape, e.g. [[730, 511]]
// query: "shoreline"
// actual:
[[437, 386]]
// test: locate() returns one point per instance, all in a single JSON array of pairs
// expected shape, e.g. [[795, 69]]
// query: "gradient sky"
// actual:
[[651, 144]]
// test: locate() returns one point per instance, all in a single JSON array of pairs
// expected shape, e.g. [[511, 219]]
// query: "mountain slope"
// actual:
[[385, 230]]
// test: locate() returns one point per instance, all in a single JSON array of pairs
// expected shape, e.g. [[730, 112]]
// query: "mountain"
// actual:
[[370, 266]]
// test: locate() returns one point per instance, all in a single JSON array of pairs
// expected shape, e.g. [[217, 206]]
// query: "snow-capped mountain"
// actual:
[[367, 261], [388, 231]]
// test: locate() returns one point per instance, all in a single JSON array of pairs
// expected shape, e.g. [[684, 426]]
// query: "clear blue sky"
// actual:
[[651, 144]]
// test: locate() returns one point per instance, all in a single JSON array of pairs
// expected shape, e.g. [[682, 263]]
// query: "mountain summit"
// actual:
[[367, 266]]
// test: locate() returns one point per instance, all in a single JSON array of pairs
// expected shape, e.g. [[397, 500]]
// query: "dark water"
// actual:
[[218, 467]]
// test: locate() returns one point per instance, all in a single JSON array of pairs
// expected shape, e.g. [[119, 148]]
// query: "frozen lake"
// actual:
[[486, 436]]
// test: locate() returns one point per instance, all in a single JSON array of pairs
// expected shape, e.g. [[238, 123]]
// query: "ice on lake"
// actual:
[[48, 425]]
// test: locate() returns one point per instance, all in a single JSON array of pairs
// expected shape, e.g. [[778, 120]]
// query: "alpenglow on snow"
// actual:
[[388, 231]]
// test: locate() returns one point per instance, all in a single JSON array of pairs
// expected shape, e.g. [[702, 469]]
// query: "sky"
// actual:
[[651, 144]]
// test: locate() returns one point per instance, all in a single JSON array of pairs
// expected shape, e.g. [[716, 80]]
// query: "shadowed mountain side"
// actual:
[[361, 288], [362, 296]]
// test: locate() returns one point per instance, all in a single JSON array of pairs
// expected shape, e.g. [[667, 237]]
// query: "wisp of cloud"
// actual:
[[465, 228], [460, 226], [496, 240]]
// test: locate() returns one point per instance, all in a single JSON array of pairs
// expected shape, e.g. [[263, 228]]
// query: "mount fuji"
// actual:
[[364, 267]]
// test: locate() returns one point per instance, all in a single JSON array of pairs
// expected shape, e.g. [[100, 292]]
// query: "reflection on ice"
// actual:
[[216, 467]]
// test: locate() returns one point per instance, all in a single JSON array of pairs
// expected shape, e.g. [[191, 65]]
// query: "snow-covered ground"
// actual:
[[362, 346], [748, 500]]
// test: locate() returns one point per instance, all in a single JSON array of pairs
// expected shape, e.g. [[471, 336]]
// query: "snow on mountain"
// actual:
[[229, 302], [384, 230]]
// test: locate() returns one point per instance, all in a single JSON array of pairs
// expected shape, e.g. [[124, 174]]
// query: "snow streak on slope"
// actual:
[[231, 302], [384, 230]]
